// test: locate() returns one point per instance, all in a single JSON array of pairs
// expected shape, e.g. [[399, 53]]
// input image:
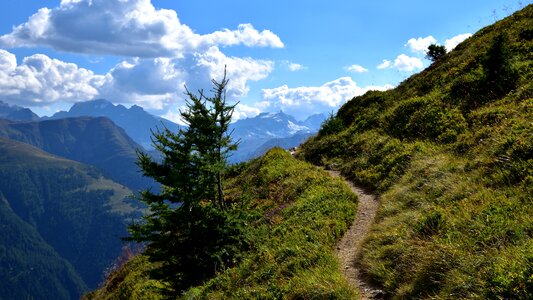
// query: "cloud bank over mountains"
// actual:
[[158, 55], [305, 101]]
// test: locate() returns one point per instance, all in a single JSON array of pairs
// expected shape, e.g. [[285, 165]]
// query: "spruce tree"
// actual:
[[188, 232]]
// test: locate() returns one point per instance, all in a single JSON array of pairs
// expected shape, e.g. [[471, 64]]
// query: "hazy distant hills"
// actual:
[[61, 223], [285, 143], [16, 113], [252, 132], [95, 141], [270, 129], [134, 120]]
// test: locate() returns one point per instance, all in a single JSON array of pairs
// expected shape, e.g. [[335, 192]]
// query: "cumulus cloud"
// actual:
[[307, 100], [245, 34], [130, 28], [385, 64], [403, 63], [41, 80], [154, 83], [420, 45], [407, 63], [211, 64], [293, 67], [451, 43], [355, 69], [243, 111]]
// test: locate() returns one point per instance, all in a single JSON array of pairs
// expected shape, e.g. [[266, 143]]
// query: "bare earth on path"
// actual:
[[349, 246]]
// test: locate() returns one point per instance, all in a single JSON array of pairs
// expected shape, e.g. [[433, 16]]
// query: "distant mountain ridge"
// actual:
[[134, 120], [16, 113], [270, 129]]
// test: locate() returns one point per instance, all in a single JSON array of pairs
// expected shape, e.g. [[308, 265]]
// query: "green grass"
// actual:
[[449, 151], [451, 155], [295, 213]]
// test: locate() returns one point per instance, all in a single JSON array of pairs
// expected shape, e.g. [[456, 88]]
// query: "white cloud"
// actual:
[[356, 69], [293, 67], [407, 63], [174, 115], [40, 80], [420, 45], [130, 28], [243, 111], [154, 83], [450, 44], [304, 101], [211, 64], [385, 64], [246, 34]]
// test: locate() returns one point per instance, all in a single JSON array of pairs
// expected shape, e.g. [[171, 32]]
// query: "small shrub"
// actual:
[[430, 224]]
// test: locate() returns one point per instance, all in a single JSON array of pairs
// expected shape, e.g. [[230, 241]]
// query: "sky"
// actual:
[[299, 57]]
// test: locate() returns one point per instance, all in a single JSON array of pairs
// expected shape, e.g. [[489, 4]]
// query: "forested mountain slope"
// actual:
[[30, 268], [61, 221], [450, 151]]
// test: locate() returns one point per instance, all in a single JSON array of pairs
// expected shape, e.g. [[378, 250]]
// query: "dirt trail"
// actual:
[[349, 246]]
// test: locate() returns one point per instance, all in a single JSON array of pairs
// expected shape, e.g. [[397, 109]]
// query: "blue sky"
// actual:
[[302, 57]]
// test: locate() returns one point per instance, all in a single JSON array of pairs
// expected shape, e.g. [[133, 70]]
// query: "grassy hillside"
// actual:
[[450, 151], [66, 209], [95, 141], [294, 212]]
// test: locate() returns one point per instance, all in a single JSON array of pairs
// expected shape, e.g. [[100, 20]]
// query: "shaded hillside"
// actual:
[[30, 268], [134, 120], [95, 141], [295, 214], [62, 208], [450, 150]]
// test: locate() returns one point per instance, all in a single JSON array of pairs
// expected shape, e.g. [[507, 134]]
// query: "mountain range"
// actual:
[[270, 130], [253, 134], [65, 183], [16, 113], [134, 120]]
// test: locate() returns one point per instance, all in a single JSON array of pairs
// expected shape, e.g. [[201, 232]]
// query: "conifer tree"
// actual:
[[187, 231], [435, 52]]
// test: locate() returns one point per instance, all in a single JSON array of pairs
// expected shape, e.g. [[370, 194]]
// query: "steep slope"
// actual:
[[450, 151], [16, 113], [30, 268], [70, 206], [94, 141], [295, 213], [134, 120]]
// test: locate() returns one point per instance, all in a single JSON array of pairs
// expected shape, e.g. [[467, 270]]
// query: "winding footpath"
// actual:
[[349, 246]]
